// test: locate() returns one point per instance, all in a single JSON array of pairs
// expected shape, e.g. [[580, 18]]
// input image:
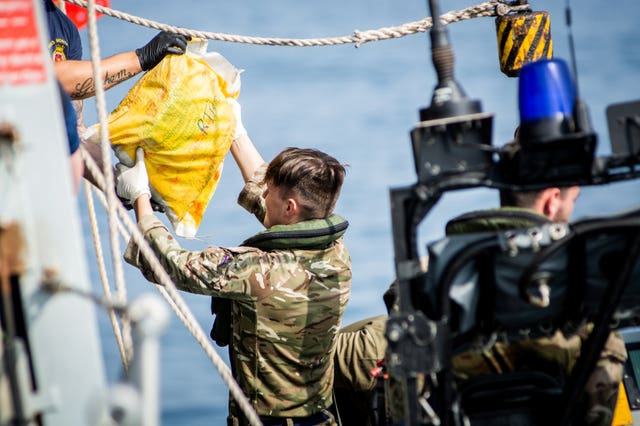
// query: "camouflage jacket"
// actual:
[[286, 312]]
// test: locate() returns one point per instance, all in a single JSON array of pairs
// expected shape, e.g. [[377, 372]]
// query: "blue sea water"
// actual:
[[358, 104]]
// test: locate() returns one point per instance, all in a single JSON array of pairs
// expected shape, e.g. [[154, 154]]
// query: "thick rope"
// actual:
[[101, 107], [126, 236], [102, 269], [489, 8]]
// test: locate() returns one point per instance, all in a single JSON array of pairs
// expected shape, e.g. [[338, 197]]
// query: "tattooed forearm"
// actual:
[[122, 75], [87, 88], [84, 89]]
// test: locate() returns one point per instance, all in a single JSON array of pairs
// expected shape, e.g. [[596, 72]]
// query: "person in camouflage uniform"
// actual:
[[288, 285], [555, 355], [361, 344], [360, 347]]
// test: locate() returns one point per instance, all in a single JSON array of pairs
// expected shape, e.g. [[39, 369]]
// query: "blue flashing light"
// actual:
[[546, 91]]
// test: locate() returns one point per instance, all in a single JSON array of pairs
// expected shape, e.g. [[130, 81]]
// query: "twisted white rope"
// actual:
[[489, 8], [97, 245], [126, 236], [101, 107]]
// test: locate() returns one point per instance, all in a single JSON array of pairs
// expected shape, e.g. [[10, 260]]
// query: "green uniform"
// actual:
[[555, 355], [361, 346], [287, 302]]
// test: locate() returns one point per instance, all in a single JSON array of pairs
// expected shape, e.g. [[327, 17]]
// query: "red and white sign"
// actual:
[[21, 58]]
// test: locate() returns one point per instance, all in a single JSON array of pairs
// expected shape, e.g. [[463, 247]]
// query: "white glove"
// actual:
[[237, 111], [132, 182]]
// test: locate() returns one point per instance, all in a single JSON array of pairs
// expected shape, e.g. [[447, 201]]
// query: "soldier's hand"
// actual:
[[161, 45], [132, 182], [237, 111]]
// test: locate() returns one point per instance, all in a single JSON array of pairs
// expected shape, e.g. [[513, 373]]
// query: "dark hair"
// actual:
[[523, 199], [514, 198], [315, 177]]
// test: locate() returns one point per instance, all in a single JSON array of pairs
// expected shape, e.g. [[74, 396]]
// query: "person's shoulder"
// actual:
[[60, 25], [52, 12], [494, 220]]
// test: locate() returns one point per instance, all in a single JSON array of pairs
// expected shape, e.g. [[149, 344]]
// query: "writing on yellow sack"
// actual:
[[178, 112]]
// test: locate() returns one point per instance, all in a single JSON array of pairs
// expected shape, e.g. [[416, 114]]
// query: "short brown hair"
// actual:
[[315, 177], [523, 199], [514, 198]]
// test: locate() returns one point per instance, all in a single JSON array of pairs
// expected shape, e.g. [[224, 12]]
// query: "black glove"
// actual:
[[152, 53]]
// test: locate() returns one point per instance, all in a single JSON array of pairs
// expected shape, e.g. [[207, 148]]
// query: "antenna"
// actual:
[[581, 112], [572, 48]]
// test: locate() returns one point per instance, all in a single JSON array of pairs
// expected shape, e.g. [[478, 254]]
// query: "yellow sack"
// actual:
[[178, 112]]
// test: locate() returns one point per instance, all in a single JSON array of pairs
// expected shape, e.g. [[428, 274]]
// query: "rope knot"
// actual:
[[506, 7], [360, 40], [502, 9]]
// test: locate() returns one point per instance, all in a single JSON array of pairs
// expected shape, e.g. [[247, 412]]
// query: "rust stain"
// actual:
[[11, 250], [8, 132]]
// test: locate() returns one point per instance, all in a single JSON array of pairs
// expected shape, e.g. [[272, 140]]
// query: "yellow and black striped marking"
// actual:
[[523, 38]]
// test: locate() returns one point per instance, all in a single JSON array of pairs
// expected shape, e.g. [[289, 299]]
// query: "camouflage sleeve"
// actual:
[[217, 271], [359, 347], [251, 196]]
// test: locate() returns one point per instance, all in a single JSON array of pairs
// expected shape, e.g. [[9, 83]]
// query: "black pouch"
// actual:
[[221, 329]]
